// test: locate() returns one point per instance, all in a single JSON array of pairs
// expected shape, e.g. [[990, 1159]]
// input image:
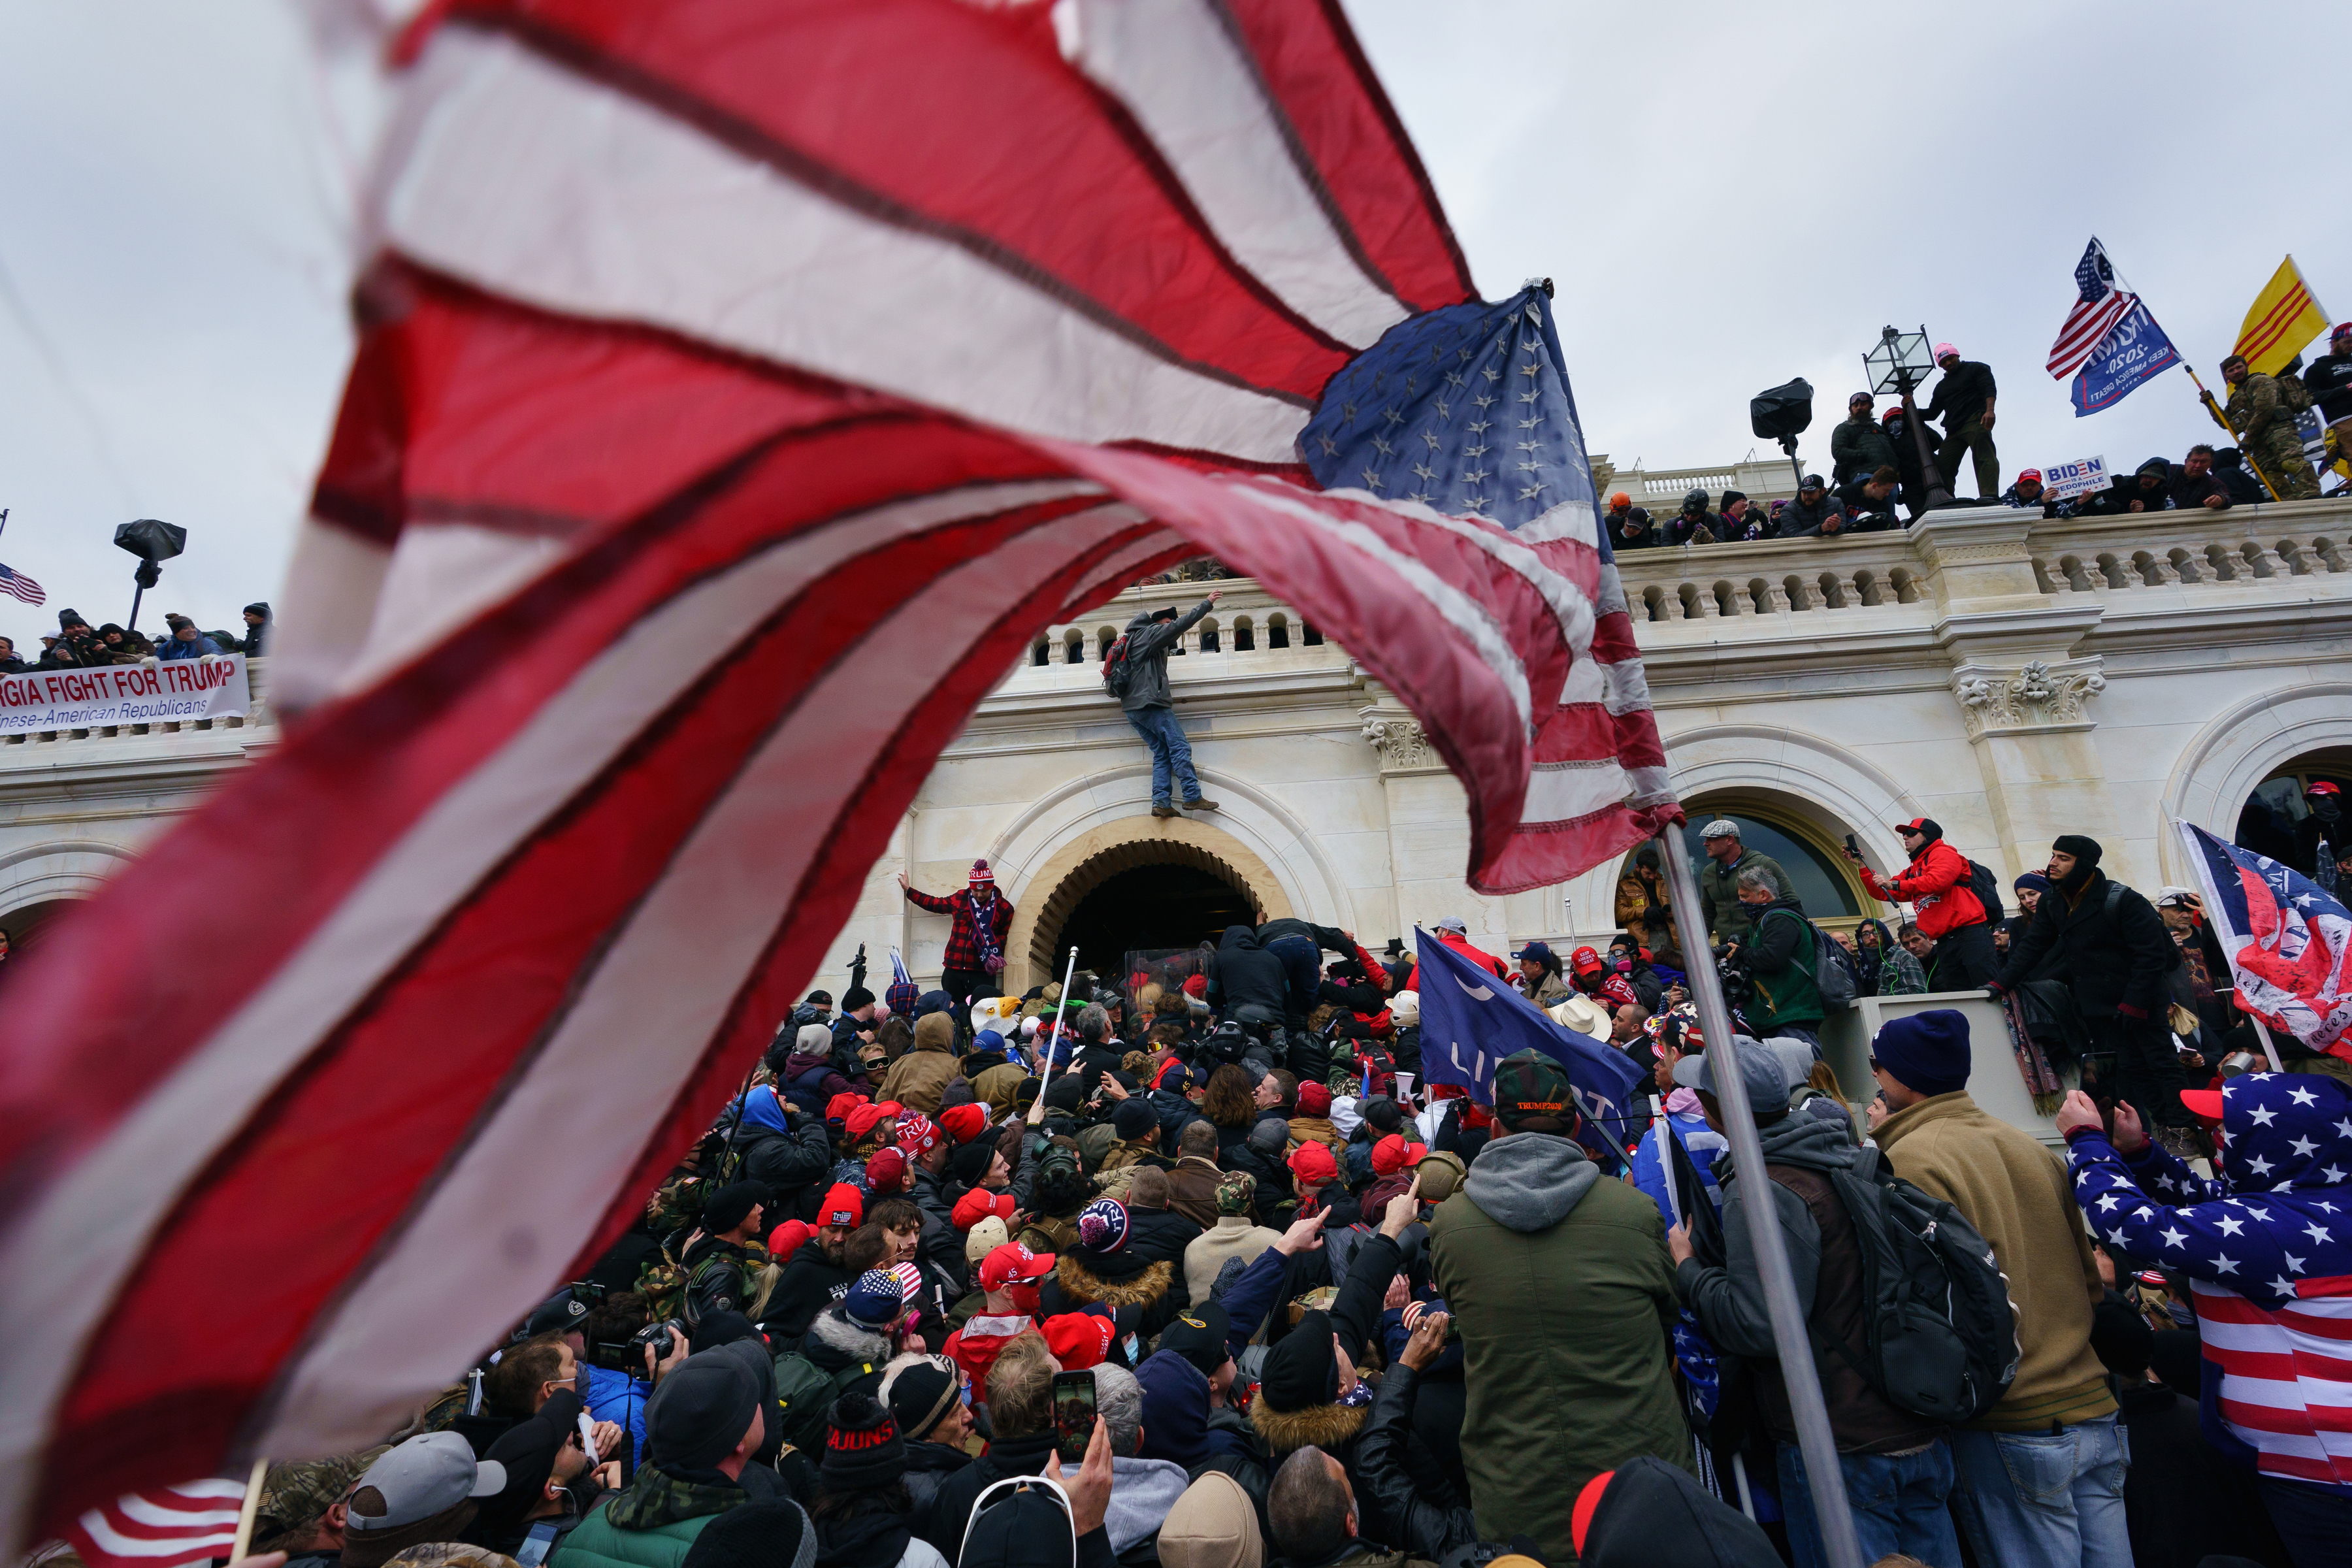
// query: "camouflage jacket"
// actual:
[[2256, 411], [655, 1498]]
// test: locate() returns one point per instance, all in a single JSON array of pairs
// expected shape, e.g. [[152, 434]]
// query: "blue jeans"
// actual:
[[1170, 752], [1897, 1504], [2050, 1498]]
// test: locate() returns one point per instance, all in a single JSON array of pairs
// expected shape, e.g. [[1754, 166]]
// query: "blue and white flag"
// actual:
[[1470, 1022], [2134, 349]]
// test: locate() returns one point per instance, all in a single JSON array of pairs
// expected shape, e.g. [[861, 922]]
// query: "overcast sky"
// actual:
[[1727, 196]]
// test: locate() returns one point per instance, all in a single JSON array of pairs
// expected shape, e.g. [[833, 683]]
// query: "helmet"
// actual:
[[1695, 501], [1619, 499]]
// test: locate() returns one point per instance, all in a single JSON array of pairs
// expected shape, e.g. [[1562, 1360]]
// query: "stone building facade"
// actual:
[[2012, 678]]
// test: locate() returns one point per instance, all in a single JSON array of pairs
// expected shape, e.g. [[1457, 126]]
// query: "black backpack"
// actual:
[[1942, 1339], [1987, 888], [1117, 673]]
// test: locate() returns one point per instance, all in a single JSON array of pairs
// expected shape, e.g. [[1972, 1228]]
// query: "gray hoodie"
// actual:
[[1142, 1493], [1530, 1182]]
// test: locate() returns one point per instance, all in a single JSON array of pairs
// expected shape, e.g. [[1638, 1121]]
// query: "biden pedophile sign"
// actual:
[[173, 691]]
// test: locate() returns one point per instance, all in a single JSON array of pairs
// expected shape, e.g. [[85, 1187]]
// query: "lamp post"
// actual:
[[1898, 364], [154, 541]]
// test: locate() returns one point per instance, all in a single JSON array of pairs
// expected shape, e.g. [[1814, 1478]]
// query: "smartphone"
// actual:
[[1851, 848], [1074, 1415]]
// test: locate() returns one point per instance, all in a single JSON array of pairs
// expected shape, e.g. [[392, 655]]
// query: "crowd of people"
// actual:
[[76, 645], [1876, 462], [1206, 1273]]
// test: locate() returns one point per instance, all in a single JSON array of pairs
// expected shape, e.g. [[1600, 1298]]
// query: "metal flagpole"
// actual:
[[2262, 1033], [1045, 1078], [1822, 1476]]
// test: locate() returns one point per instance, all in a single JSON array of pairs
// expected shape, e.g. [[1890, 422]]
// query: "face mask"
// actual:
[[1024, 1297]]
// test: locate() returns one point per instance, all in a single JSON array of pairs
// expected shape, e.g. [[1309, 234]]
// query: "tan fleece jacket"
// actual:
[[2015, 1192]]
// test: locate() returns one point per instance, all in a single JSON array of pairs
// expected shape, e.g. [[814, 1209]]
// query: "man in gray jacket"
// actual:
[[1150, 706]]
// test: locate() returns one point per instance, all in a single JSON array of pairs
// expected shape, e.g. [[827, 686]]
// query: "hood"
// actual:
[[761, 1109], [1530, 1182], [1141, 620], [1806, 1140], [1238, 938], [1142, 1493], [2160, 466], [1175, 1408], [2284, 1131], [834, 1341]]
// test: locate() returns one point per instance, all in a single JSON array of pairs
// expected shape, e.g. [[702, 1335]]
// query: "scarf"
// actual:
[[983, 931]]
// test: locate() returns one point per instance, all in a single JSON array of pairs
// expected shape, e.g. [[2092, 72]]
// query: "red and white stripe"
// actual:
[[193, 1522], [2287, 1377], [2086, 327], [742, 384]]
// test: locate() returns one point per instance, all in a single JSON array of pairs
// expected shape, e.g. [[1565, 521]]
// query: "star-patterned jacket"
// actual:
[[2268, 1251]]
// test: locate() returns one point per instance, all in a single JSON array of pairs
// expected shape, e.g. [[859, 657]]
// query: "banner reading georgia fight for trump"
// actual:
[[174, 691]]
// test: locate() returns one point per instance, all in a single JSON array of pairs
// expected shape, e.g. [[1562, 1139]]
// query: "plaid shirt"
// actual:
[[963, 941]]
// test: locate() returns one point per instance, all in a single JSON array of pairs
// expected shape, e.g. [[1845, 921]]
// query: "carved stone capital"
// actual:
[[2038, 695], [1398, 738]]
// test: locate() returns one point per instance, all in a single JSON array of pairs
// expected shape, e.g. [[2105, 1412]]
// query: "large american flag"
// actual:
[[741, 384], [16, 585], [2101, 299], [2289, 943]]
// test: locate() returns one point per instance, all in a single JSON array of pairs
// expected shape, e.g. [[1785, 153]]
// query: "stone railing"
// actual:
[[1247, 632], [2296, 548], [34, 748]]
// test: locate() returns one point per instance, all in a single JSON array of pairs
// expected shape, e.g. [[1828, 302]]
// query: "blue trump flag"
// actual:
[[1470, 1022], [2134, 349]]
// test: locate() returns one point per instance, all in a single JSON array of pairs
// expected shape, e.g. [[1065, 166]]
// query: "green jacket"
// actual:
[[1719, 904], [653, 1524], [1562, 1290], [1782, 953]]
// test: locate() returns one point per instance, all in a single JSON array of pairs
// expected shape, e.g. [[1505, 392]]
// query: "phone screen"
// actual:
[[1074, 1415]]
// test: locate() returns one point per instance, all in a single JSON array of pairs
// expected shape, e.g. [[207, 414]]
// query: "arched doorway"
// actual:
[[1806, 841], [1222, 880], [2271, 820]]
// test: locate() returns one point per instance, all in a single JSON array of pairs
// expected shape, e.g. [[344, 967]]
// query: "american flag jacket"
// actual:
[[2268, 1251]]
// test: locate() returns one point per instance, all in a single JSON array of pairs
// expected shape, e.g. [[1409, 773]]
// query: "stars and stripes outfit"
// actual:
[[2268, 1251], [740, 386]]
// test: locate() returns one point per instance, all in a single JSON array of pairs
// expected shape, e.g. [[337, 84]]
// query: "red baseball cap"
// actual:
[[1393, 1154], [1011, 1262], [2025, 474], [2204, 1102], [885, 1173], [838, 1108], [1078, 1340], [1314, 1100], [1584, 960], [978, 1204], [845, 1205], [1314, 1163], [2323, 788], [859, 1123], [786, 1239], [1916, 825]]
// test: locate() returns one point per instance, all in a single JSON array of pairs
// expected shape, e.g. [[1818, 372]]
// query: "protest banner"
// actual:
[[2063, 481], [165, 692]]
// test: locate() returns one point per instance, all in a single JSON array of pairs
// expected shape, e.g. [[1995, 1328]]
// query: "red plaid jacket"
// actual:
[[963, 941]]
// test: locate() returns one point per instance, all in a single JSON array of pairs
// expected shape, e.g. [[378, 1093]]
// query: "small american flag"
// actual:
[[15, 584], [193, 1522], [2102, 299]]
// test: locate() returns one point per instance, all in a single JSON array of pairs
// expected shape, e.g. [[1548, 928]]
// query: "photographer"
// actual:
[[1779, 956]]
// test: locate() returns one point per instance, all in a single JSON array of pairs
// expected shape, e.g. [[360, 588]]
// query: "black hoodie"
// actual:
[[1241, 973]]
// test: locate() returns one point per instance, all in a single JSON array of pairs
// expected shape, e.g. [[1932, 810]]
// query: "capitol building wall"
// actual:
[[2012, 678]]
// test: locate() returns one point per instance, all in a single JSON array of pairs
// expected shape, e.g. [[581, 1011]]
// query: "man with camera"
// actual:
[[1784, 996]]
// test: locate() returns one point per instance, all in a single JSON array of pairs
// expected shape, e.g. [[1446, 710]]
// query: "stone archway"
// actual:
[[2244, 746], [1094, 856]]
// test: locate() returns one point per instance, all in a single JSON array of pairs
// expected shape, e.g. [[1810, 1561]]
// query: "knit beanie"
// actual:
[[1927, 1053], [700, 1412], [770, 1534], [1300, 1373], [2085, 850], [964, 1122], [2033, 882], [969, 1162], [1133, 1120], [1270, 1137], [1102, 1226], [862, 1445], [919, 1397], [900, 998], [730, 1206], [843, 1204]]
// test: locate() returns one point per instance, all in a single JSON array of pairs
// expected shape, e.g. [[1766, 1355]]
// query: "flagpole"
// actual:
[[2222, 419], [1038, 1107], [2263, 1033], [1810, 1415], [250, 1510]]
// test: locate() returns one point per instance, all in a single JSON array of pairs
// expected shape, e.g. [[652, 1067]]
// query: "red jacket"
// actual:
[[1937, 885], [1461, 945]]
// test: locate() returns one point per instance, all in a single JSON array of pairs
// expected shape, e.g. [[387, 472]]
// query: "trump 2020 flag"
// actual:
[[2286, 941], [1470, 1022], [2134, 349]]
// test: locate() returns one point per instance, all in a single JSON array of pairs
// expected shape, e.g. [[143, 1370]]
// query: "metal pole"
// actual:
[[1931, 478], [2264, 1034], [137, 588], [2222, 419], [1824, 1478], [1044, 1080]]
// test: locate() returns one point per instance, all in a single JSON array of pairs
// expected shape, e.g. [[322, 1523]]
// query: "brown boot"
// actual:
[[1200, 806], [1165, 811]]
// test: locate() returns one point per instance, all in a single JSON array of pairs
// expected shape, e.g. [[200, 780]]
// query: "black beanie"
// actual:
[[718, 1329], [1300, 1371], [774, 1534], [2085, 850], [969, 1162], [699, 1413], [862, 1447], [1067, 1092], [1133, 1119], [730, 1206], [919, 1398], [1382, 1112]]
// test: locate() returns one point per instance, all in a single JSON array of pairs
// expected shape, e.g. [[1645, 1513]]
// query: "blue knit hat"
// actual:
[[1927, 1053], [1102, 1224]]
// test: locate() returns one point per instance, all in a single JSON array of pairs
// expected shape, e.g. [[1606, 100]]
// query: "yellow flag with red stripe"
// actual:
[[2282, 323]]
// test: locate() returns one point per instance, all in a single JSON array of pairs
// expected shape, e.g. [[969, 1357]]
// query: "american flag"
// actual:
[[193, 1522], [2268, 1255], [741, 384], [2102, 299], [16, 585], [2287, 940]]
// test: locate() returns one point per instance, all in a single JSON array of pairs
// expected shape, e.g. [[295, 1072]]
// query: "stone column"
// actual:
[[2024, 696]]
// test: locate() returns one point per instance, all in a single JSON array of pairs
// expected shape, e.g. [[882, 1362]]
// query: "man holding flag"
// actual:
[[2265, 428]]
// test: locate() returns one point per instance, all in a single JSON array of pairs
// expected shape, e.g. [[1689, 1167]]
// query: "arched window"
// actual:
[[1277, 630], [1824, 885], [1245, 634], [2277, 819]]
